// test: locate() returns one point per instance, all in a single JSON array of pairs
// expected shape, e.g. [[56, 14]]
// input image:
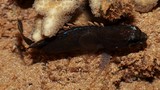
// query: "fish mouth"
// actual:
[[144, 37]]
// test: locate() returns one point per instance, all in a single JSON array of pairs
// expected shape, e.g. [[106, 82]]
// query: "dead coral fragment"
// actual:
[[114, 9], [56, 12], [144, 5], [110, 9]]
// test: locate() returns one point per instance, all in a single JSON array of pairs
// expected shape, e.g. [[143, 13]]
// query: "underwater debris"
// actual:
[[144, 5]]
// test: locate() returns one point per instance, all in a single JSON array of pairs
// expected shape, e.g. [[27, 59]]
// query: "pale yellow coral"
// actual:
[[37, 33], [95, 6], [56, 12]]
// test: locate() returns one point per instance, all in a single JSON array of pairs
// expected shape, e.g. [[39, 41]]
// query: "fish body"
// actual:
[[92, 39]]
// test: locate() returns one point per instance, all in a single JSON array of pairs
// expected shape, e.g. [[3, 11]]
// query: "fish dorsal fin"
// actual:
[[69, 25], [95, 24], [89, 23]]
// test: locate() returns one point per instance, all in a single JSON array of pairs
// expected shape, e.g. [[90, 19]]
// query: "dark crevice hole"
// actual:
[[25, 3]]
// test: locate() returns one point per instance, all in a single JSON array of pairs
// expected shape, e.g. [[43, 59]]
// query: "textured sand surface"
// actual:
[[135, 71]]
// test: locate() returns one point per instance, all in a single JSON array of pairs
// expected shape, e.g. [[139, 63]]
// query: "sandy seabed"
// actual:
[[135, 71]]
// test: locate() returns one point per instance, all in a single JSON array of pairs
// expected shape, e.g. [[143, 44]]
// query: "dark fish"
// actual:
[[91, 39]]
